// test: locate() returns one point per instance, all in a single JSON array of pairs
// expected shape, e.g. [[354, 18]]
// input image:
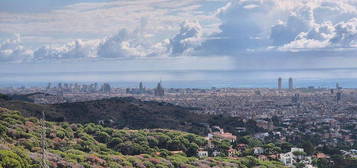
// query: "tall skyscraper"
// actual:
[[159, 91], [291, 84], [141, 87], [106, 88], [338, 96], [48, 86], [279, 83]]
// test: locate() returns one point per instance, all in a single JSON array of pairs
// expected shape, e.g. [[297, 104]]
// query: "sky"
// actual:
[[172, 35]]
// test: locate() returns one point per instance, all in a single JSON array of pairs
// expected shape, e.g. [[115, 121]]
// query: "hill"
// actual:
[[91, 145], [127, 113]]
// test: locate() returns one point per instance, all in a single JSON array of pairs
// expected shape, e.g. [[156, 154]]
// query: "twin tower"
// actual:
[[280, 83]]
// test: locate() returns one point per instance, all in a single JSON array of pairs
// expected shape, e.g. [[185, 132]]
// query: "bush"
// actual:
[[114, 142], [60, 134], [102, 137], [9, 159], [3, 130]]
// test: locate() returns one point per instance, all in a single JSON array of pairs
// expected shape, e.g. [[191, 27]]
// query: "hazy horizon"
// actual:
[[326, 78]]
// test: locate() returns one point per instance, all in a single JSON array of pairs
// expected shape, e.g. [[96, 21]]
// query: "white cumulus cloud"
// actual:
[[326, 35], [72, 50], [12, 50], [256, 25], [189, 38]]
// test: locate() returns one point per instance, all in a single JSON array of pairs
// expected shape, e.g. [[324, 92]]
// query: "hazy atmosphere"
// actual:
[[280, 37]]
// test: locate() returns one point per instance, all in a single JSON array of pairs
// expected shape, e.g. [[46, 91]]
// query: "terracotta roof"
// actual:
[[225, 135], [321, 155]]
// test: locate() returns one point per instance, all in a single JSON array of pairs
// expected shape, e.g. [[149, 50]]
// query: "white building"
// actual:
[[258, 150], [289, 158], [202, 153], [216, 153]]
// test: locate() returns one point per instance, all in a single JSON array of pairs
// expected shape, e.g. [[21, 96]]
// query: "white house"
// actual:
[[216, 153], [289, 158], [258, 150], [296, 150], [202, 153]]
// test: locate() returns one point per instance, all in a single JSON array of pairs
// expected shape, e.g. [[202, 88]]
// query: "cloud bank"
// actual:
[[254, 27], [284, 25], [12, 50]]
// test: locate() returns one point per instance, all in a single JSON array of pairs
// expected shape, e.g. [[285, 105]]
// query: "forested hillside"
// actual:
[[128, 113], [91, 145]]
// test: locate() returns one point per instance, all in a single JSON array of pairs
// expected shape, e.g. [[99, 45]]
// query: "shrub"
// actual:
[[9, 159], [114, 142], [3, 130], [60, 134], [102, 137]]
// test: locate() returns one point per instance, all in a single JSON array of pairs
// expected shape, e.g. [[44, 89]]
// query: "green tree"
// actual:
[[308, 147], [323, 163], [299, 165], [9, 159], [3, 130], [114, 142], [192, 149], [285, 147], [102, 137]]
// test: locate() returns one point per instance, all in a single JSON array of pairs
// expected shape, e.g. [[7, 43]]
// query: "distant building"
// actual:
[[215, 153], [159, 91], [291, 84], [141, 87], [202, 153], [289, 159], [258, 150], [48, 86], [280, 83], [338, 96], [139, 90], [221, 135], [106, 88], [295, 99]]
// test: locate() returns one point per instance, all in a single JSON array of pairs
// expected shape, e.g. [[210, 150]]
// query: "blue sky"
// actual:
[[100, 35]]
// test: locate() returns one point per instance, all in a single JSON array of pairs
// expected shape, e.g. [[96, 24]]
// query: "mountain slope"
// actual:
[[132, 113], [91, 145], [126, 112], [117, 113]]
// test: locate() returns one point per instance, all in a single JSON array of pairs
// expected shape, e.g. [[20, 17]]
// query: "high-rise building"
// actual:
[[338, 87], [279, 83], [338, 96], [159, 91], [106, 88], [291, 84], [141, 87], [48, 86]]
